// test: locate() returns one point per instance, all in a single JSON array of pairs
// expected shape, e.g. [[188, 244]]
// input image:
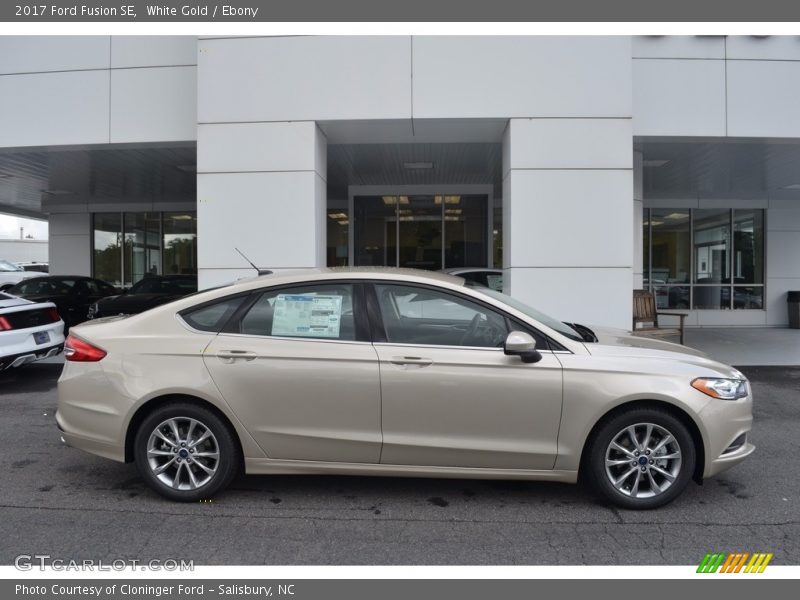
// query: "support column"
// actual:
[[638, 211], [261, 187], [567, 237]]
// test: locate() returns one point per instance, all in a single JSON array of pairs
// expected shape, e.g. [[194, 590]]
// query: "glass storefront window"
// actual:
[[180, 243], [375, 229], [420, 232], [466, 230], [338, 236], [712, 237], [716, 254], [108, 247], [127, 247]]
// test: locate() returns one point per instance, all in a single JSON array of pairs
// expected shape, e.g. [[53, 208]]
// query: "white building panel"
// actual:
[[515, 76], [599, 297], [153, 104], [238, 147], [772, 47], [153, 51], [571, 143], [54, 108], [678, 97], [36, 54], [679, 46], [271, 217], [304, 78], [570, 218], [763, 98]]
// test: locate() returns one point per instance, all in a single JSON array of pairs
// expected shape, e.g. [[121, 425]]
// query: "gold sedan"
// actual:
[[394, 372]]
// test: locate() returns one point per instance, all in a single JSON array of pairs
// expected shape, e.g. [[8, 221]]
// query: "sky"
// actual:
[[9, 227]]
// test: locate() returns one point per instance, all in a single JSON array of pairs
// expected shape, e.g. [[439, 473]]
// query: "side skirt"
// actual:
[[266, 466]]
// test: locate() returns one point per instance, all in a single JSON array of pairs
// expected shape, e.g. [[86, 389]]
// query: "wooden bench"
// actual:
[[645, 312]]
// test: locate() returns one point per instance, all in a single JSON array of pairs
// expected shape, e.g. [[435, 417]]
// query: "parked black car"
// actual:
[[72, 294], [148, 293]]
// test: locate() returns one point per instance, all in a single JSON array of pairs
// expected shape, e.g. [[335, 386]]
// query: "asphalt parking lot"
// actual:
[[74, 506]]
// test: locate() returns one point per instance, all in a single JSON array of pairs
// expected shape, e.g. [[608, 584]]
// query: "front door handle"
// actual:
[[410, 361], [231, 355]]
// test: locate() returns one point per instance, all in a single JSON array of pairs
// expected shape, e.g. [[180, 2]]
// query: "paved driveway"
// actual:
[[70, 505]]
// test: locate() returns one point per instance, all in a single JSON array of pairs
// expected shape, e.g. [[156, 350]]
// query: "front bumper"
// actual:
[[725, 421]]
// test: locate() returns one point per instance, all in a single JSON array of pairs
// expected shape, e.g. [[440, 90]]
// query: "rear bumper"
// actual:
[[22, 358]]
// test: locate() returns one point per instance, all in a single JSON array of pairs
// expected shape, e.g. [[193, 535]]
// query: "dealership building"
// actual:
[[584, 167]]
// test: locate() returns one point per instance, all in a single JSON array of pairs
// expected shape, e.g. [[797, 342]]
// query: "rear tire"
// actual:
[[640, 459], [185, 452]]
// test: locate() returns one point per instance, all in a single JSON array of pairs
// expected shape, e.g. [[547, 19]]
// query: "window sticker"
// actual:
[[307, 315]]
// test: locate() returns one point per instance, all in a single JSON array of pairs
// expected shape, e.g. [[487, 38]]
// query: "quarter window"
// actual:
[[418, 315], [212, 317], [314, 311]]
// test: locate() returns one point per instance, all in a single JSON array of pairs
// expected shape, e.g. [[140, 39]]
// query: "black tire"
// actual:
[[595, 459], [222, 440]]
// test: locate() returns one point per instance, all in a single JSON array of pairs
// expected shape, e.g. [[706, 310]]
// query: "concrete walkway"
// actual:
[[748, 346]]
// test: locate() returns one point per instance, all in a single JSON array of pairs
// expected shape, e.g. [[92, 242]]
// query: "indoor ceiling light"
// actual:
[[447, 199], [343, 222], [337, 216], [452, 211], [654, 163], [390, 200], [677, 215], [656, 223], [181, 217], [418, 165]]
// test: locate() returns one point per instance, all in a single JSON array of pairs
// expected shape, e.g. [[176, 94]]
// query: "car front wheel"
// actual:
[[185, 452], [641, 459]]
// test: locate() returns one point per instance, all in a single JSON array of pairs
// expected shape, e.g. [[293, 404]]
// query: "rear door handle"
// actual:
[[411, 361], [232, 355]]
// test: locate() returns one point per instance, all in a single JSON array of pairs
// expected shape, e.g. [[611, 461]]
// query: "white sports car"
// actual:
[[29, 331]]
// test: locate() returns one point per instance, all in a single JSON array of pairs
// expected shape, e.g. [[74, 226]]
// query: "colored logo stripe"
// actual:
[[734, 562]]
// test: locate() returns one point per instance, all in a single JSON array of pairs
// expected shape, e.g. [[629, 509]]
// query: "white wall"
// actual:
[[70, 238], [69, 90], [716, 86], [23, 250], [261, 187]]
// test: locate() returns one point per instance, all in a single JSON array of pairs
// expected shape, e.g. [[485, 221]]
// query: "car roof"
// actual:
[[418, 275]]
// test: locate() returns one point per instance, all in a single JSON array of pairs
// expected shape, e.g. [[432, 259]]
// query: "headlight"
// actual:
[[724, 389]]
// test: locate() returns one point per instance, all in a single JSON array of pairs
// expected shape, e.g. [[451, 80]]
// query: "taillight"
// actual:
[[5, 325], [52, 312], [77, 350]]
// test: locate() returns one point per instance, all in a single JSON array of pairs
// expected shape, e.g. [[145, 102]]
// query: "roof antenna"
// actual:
[[260, 271]]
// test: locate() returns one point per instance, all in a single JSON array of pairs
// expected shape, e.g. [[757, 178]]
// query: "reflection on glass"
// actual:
[[670, 248], [337, 226], [142, 247], [375, 230], [420, 237], [465, 235], [748, 246], [712, 232], [671, 296], [646, 244], [108, 248], [748, 297], [712, 296], [180, 243]]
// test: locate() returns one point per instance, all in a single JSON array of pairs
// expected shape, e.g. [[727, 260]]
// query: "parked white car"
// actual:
[[29, 331], [11, 274]]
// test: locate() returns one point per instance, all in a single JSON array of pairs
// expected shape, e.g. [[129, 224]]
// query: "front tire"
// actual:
[[185, 452], [640, 459]]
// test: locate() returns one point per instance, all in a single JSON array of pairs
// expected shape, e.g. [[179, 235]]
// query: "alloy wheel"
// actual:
[[183, 453]]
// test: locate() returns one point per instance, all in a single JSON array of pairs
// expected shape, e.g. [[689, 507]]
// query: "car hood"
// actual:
[[619, 343]]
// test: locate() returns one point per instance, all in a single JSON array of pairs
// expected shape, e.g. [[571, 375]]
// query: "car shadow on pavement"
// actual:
[[36, 377]]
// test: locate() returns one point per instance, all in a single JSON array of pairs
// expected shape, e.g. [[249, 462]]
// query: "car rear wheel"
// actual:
[[641, 459], [185, 452]]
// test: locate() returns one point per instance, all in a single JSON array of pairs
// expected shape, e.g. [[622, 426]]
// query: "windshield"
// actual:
[[7, 266], [544, 319]]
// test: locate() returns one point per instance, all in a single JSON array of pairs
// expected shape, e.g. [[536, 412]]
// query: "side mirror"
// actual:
[[519, 343]]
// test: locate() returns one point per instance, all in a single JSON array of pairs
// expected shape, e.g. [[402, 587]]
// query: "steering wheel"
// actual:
[[472, 328]]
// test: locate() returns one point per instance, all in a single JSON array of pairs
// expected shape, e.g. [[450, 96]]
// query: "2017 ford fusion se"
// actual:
[[394, 372]]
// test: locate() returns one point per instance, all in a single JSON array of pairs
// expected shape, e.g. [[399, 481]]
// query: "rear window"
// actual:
[[212, 316]]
